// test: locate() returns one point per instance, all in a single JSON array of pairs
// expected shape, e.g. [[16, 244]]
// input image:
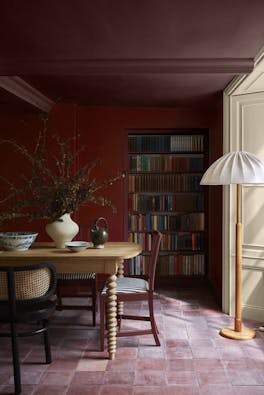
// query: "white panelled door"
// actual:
[[246, 133]]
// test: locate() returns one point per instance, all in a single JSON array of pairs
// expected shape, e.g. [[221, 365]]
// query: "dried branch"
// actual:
[[54, 187]]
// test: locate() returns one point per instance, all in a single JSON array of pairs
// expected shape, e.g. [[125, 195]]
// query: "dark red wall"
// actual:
[[103, 130]]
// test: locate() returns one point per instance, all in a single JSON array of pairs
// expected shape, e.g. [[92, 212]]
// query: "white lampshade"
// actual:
[[237, 167]]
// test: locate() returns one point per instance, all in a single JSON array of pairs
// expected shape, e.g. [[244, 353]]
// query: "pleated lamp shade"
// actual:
[[239, 167]]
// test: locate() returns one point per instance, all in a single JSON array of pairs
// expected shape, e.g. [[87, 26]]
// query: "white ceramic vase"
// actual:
[[63, 230]]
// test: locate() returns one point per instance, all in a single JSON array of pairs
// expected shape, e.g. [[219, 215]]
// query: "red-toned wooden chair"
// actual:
[[84, 285], [135, 289]]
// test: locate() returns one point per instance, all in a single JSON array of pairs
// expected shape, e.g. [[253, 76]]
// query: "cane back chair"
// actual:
[[25, 297]]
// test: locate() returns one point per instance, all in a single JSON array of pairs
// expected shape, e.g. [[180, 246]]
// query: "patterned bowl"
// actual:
[[17, 240]]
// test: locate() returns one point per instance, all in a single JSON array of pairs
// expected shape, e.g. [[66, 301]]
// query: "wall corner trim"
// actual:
[[20, 88]]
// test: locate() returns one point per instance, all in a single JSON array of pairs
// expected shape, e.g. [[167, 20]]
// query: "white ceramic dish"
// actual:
[[21, 241], [77, 246]]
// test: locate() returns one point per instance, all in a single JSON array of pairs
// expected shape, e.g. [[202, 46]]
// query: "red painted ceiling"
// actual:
[[129, 52]]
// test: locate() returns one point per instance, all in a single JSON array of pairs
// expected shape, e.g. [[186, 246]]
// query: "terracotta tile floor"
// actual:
[[193, 358]]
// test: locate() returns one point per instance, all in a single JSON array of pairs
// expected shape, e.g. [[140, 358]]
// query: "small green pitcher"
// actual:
[[99, 235]]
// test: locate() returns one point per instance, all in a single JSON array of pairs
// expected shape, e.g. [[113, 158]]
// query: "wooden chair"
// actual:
[[25, 293], [81, 285], [135, 289]]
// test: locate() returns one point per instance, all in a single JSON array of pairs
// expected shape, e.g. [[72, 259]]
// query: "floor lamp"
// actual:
[[238, 168]]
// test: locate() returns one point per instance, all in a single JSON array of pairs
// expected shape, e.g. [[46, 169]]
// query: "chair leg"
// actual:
[[94, 302], [15, 354], [47, 341], [102, 322], [59, 299], [92, 295], [119, 322], [152, 321]]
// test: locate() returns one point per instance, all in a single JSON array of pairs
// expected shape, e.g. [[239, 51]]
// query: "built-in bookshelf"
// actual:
[[164, 193]]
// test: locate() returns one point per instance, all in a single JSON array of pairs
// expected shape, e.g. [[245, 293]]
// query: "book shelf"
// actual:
[[164, 193]]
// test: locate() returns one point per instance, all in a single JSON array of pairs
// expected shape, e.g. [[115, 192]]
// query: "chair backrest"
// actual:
[[30, 283], [155, 246]]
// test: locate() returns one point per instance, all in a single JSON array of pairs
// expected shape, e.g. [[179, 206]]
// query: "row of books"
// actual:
[[165, 143], [144, 202], [164, 183], [171, 241], [167, 163], [179, 222], [188, 265], [167, 265]]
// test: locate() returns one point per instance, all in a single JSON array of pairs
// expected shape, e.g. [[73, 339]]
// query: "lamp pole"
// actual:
[[239, 332], [238, 322]]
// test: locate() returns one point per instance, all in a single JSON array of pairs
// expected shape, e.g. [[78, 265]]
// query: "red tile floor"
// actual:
[[193, 357]]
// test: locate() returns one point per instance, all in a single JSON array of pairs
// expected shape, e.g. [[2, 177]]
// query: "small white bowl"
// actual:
[[77, 246]]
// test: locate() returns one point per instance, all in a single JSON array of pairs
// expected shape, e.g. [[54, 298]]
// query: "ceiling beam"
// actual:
[[26, 92], [82, 67]]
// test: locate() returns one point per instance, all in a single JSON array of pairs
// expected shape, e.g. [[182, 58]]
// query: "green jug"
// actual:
[[99, 235]]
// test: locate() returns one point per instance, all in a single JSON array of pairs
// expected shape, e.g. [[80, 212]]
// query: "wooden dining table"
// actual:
[[108, 260]]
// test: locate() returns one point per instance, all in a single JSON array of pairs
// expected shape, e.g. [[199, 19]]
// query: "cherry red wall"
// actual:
[[103, 131]]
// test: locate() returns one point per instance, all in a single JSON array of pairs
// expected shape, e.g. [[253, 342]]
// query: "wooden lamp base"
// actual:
[[244, 334]]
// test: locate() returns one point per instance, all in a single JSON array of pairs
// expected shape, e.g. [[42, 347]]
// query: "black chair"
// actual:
[[78, 285], [25, 297], [129, 289]]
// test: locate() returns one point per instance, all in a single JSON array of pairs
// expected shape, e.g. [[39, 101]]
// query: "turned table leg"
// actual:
[[120, 273], [111, 311]]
